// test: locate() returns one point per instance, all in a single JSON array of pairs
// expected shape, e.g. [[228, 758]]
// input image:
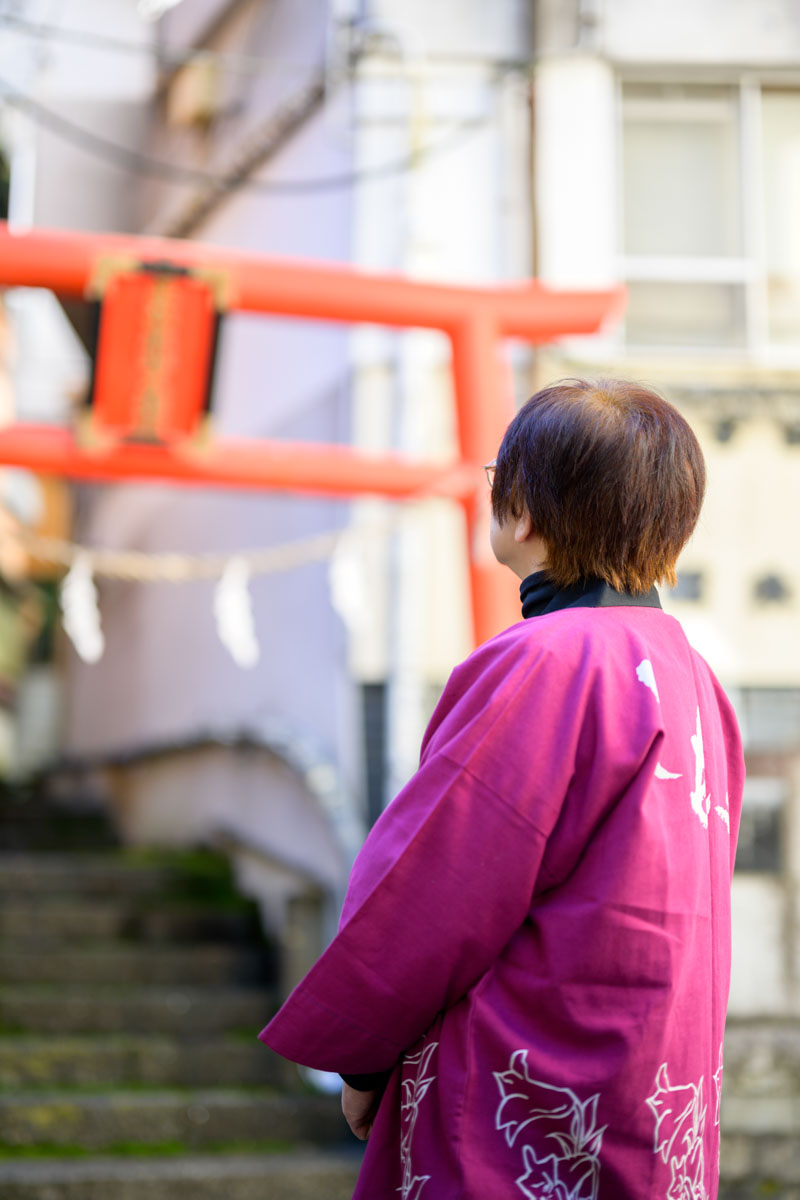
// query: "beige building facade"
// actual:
[[674, 131]]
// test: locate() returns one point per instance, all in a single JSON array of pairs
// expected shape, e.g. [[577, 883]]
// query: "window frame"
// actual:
[[749, 269]]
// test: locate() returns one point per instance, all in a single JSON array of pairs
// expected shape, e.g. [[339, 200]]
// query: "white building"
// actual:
[[355, 136]]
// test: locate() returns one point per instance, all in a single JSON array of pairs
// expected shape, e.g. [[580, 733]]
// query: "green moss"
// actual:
[[201, 876], [262, 1146], [47, 1118], [136, 1149], [43, 1151]]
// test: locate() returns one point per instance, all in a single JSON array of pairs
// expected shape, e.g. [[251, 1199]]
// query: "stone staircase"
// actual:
[[132, 985], [761, 1111]]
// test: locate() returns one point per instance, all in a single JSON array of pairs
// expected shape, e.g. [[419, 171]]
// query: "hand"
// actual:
[[359, 1109]]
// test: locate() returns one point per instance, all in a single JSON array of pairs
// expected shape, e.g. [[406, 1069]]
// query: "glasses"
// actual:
[[490, 469]]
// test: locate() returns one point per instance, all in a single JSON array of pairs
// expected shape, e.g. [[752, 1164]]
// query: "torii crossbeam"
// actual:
[[474, 319]]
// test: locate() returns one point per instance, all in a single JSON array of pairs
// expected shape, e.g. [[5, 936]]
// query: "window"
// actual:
[[780, 129], [770, 719], [771, 589], [689, 587], [759, 845], [681, 169], [373, 701], [710, 192], [770, 724]]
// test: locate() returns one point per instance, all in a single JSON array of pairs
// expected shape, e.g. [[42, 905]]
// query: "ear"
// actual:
[[524, 527]]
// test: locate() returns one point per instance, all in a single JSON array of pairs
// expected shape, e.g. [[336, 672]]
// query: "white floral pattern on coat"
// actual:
[[557, 1132], [680, 1113], [414, 1088]]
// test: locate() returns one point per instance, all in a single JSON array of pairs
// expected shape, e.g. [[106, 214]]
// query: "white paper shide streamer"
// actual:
[[347, 580], [81, 611], [233, 610]]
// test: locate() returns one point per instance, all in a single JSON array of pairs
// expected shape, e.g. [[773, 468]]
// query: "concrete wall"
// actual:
[[165, 678], [79, 92], [707, 34], [711, 33], [270, 814], [448, 85], [754, 484]]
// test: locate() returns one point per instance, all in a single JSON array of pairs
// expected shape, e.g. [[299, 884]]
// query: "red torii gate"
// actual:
[[474, 319]]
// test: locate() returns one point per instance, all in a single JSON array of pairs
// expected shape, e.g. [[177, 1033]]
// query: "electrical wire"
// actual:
[[244, 64], [144, 164]]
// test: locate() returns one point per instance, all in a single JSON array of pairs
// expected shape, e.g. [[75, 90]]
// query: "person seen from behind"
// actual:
[[527, 993]]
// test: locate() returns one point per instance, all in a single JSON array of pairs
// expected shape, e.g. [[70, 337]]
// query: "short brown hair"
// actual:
[[612, 476]]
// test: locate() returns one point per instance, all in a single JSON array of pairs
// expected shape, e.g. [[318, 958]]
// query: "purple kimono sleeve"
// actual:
[[444, 881]]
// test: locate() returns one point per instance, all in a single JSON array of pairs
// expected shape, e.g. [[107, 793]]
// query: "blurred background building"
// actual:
[[656, 142]]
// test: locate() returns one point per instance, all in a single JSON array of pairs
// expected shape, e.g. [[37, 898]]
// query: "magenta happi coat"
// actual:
[[536, 936]]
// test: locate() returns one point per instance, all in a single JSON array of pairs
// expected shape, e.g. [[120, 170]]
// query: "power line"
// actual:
[[143, 164], [243, 64]]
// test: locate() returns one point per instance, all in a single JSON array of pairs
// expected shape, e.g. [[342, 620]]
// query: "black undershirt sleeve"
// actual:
[[368, 1083]]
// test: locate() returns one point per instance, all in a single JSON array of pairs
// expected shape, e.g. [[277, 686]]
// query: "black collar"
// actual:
[[539, 596]]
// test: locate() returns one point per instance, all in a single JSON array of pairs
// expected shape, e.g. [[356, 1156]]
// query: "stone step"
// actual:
[[300, 1175], [189, 1118], [748, 1114], [760, 1165], [79, 874], [109, 1008], [63, 917], [138, 1059], [765, 1188], [762, 1058], [35, 826], [761, 1099], [29, 960]]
